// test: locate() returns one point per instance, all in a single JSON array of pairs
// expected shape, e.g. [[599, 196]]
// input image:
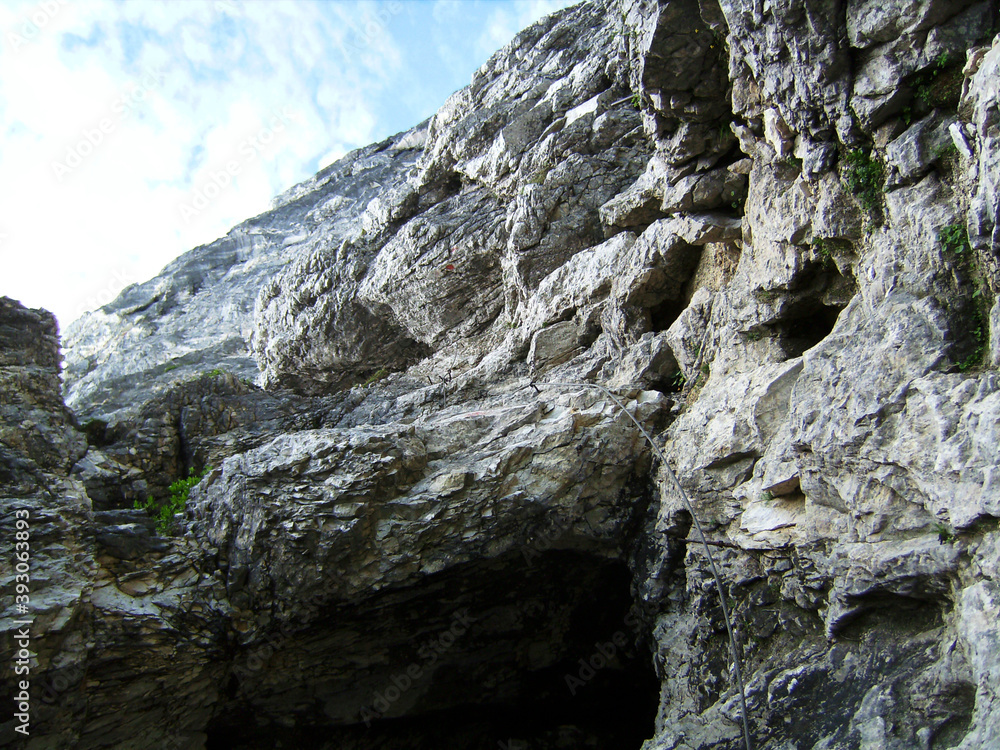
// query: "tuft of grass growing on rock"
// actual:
[[793, 163], [980, 334], [946, 535], [379, 374], [954, 239], [865, 178], [940, 85], [823, 250], [165, 511]]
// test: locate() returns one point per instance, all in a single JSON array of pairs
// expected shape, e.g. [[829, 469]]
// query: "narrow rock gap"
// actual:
[[671, 288]]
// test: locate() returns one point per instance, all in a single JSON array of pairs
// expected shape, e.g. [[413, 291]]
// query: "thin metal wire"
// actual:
[[733, 645]]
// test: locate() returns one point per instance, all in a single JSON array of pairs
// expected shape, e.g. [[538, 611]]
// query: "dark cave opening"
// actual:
[[553, 658], [602, 715], [669, 287], [663, 315], [804, 330]]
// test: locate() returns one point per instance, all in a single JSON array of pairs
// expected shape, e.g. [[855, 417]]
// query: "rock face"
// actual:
[[771, 230]]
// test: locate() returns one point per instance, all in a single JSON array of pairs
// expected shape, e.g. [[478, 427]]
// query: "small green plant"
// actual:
[[865, 177], [164, 512], [213, 373], [379, 374], [636, 101], [824, 250], [678, 380], [754, 335], [946, 535], [979, 336], [146, 504], [792, 162], [954, 238], [171, 367], [940, 84], [946, 151], [767, 496]]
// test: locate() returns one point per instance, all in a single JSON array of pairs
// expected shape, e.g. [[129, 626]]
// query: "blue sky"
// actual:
[[133, 131]]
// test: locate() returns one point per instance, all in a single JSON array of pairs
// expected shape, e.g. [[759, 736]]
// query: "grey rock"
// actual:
[[911, 155], [981, 95], [553, 345], [870, 22], [790, 55], [883, 67], [197, 315]]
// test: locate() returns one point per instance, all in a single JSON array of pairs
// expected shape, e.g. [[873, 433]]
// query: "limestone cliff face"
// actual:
[[770, 229]]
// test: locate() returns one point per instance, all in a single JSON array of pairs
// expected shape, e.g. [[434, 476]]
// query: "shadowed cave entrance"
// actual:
[[384, 674]]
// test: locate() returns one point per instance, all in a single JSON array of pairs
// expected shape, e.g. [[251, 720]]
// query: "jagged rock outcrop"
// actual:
[[771, 229], [197, 315]]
